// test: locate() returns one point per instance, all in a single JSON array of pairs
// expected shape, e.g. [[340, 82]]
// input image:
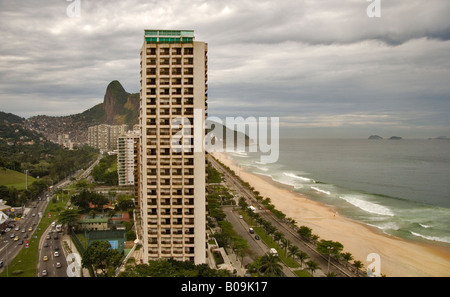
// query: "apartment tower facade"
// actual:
[[127, 157], [172, 173]]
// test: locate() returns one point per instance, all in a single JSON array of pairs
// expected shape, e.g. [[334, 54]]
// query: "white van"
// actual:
[[251, 230], [273, 252]]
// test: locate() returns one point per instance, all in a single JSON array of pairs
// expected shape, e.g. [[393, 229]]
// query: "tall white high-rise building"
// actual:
[[126, 157], [172, 178]]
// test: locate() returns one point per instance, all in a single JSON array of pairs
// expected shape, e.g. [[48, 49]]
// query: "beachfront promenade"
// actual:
[[289, 233]]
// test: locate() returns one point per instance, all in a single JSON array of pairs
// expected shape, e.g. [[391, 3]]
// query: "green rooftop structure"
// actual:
[[169, 36]]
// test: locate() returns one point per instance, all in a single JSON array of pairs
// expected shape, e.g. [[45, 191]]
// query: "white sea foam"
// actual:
[[320, 190], [424, 226], [367, 206], [276, 180], [298, 177], [386, 226], [433, 238], [240, 154]]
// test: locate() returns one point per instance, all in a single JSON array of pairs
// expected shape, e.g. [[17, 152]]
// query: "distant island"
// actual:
[[379, 137]]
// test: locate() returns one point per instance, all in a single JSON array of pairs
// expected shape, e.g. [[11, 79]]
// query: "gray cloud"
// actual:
[[315, 64]]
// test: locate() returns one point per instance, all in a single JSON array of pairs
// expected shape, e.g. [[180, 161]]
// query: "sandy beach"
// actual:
[[399, 258]]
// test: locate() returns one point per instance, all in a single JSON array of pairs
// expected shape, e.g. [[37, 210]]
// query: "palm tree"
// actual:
[[68, 217], [293, 251], [302, 256], [312, 266], [277, 236], [347, 257], [358, 265], [270, 266], [284, 244]]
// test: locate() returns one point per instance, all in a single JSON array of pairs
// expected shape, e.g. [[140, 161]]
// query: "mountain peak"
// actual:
[[115, 86], [120, 106]]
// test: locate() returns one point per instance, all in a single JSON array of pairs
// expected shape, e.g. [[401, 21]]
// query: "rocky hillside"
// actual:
[[118, 107]]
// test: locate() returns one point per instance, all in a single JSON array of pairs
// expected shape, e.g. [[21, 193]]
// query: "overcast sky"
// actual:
[[324, 67]]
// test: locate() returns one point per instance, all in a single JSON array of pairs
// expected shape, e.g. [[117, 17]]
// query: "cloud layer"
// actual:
[[318, 65]]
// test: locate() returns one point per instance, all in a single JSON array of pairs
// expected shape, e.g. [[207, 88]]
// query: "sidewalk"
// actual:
[[69, 248], [236, 263]]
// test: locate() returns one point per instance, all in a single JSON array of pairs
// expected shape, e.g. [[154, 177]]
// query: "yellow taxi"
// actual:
[[45, 258]]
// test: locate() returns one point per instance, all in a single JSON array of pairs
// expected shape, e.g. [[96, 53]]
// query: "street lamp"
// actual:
[[26, 179], [330, 248]]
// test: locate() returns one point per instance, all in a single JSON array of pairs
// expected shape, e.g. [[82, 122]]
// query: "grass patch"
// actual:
[[11, 178], [302, 273]]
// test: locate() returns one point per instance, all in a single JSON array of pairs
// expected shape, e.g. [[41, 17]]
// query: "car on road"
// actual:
[[16, 238], [257, 237], [58, 265], [45, 258], [44, 272], [30, 229], [56, 254]]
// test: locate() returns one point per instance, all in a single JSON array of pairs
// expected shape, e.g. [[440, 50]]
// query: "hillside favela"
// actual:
[[224, 144]]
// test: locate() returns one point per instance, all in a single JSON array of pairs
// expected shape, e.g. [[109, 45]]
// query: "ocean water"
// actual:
[[401, 187]]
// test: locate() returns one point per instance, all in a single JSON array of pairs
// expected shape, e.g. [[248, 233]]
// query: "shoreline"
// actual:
[[399, 257]]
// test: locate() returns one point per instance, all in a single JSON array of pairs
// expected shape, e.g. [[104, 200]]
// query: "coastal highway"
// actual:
[[290, 234], [50, 246], [256, 246]]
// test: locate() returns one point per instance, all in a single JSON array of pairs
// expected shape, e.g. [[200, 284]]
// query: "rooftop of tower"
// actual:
[[169, 36]]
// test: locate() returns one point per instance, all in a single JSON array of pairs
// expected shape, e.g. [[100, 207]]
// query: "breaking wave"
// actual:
[[367, 206]]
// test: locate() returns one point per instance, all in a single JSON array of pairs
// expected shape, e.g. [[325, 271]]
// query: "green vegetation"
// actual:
[[85, 198], [267, 265], [106, 171], [101, 257], [214, 176], [172, 268]]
